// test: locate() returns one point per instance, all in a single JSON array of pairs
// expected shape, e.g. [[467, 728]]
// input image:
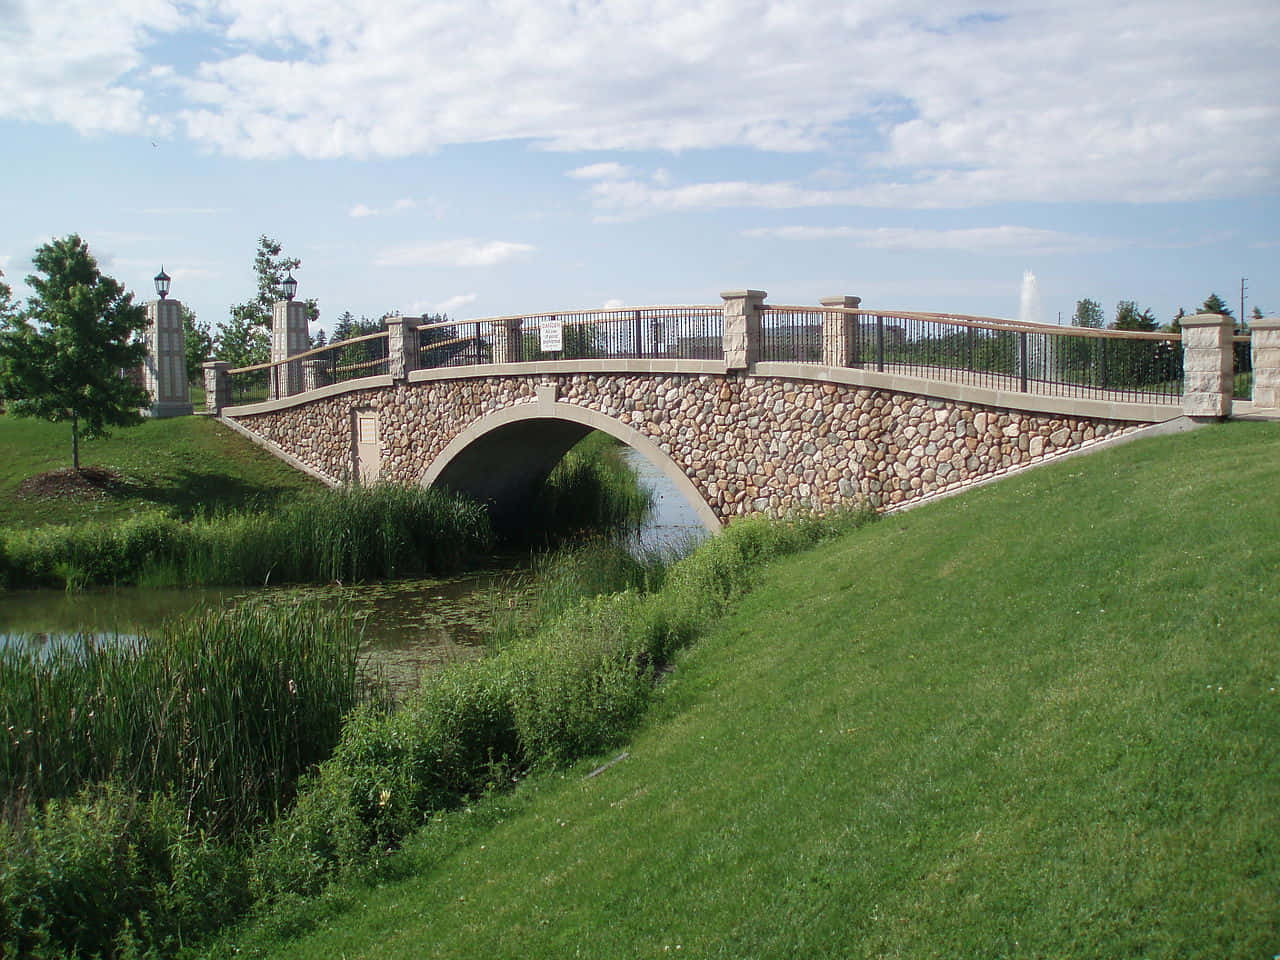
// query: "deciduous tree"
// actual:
[[1088, 314], [69, 356]]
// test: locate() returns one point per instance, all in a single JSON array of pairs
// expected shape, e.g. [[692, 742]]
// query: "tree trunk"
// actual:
[[75, 443]]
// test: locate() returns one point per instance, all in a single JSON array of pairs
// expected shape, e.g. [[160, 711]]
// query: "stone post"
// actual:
[[402, 346], [1208, 381], [742, 327], [1265, 347], [164, 372], [839, 332], [217, 386], [507, 345], [288, 338]]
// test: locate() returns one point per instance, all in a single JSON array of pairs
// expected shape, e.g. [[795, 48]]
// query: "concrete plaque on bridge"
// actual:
[[551, 335]]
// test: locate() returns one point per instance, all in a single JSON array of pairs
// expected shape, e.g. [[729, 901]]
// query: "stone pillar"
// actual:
[[164, 372], [288, 338], [742, 327], [402, 346], [217, 386], [1208, 380], [839, 332], [1265, 347], [507, 345]]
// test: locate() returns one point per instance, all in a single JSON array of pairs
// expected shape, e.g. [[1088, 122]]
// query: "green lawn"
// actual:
[[182, 465], [1037, 720]]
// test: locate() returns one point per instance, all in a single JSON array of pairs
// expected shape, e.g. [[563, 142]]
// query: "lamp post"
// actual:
[[162, 284], [289, 286]]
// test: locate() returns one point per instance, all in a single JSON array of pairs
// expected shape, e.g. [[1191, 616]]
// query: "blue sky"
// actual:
[[500, 157]]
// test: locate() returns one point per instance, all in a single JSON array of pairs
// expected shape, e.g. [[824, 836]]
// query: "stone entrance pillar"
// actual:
[[164, 372], [1207, 375], [839, 332], [288, 339], [742, 327], [1265, 347]]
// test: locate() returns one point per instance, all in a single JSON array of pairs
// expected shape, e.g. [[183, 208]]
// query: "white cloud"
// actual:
[[600, 171], [454, 304], [614, 304], [454, 253], [931, 104], [1002, 239], [400, 206]]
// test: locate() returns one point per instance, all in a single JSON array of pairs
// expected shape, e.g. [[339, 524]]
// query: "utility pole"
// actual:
[[1242, 289]]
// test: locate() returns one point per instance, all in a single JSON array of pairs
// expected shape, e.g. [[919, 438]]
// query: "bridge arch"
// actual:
[[503, 457]]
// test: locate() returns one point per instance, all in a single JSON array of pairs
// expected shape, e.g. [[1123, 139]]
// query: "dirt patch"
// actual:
[[87, 483]]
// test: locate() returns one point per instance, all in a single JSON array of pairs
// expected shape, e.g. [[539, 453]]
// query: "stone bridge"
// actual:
[[747, 408]]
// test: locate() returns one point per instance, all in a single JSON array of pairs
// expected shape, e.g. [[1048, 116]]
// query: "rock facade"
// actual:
[[750, 444]]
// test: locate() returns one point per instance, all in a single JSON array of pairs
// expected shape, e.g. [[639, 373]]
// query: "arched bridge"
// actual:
[[746, 406]]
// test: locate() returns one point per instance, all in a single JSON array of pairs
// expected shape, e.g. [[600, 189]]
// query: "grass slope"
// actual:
[[1039, 720], [183, 465]]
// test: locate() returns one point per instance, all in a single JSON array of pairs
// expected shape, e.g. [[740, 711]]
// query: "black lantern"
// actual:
[[289, 286], [162, 283]]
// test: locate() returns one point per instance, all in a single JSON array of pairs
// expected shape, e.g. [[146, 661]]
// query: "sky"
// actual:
[[488, 157]]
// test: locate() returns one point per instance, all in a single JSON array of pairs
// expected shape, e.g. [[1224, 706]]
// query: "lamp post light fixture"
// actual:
[[289, 286], [162, 283]]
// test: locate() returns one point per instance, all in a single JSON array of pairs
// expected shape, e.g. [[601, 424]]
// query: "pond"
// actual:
[[410, 626]]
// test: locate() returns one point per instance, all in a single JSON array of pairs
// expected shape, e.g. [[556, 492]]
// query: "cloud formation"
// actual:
[[1002, 239], [454, 253], [934, 105]]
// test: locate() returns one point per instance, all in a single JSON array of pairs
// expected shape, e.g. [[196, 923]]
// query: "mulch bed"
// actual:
[[87, 483]]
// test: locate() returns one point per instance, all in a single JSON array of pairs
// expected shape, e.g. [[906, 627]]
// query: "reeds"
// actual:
[[591, 490], [224, 711], [348, 534]]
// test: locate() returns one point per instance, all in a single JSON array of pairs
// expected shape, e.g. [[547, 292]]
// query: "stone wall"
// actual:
[[750, 444]]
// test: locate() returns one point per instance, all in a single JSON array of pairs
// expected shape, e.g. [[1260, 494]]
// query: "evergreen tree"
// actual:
[[1215, 304], [1128, 317], [70, 355]]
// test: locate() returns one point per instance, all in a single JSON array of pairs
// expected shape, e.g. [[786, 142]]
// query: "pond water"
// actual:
[[410, 626]]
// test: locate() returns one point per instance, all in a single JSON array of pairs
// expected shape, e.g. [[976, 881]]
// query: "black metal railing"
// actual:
[[1242, 366], [353, 359], [998, 355], [686, 333], [791, 335]]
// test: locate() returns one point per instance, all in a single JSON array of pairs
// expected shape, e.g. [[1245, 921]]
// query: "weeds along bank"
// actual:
[[350, 534], [138, 865]]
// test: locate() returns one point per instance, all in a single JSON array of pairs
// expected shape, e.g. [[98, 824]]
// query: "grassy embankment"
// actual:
[[183, 466], [1037, 720]]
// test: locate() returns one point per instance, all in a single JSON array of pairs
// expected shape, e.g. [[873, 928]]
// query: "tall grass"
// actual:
[[224, 712], [590, 490], [347, 534]]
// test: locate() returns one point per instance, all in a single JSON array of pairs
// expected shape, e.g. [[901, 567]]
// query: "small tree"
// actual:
[[198, 344], [245, 338], [1215, 304], [1128, 317], [74, 363], [1088, 314]]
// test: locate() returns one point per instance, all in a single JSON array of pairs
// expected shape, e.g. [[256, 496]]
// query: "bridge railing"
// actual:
[[1002, 355], [1242, 366], [366, 356], [675, 332]]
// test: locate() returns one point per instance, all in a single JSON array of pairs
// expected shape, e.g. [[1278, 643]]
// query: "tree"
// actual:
[[1215, 304], [1088, 314], [74, 362], [1129, 318], [198, 343], [245, 338]]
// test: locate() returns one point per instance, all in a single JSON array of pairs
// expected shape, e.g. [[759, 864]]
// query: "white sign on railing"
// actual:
[[551, 335]]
